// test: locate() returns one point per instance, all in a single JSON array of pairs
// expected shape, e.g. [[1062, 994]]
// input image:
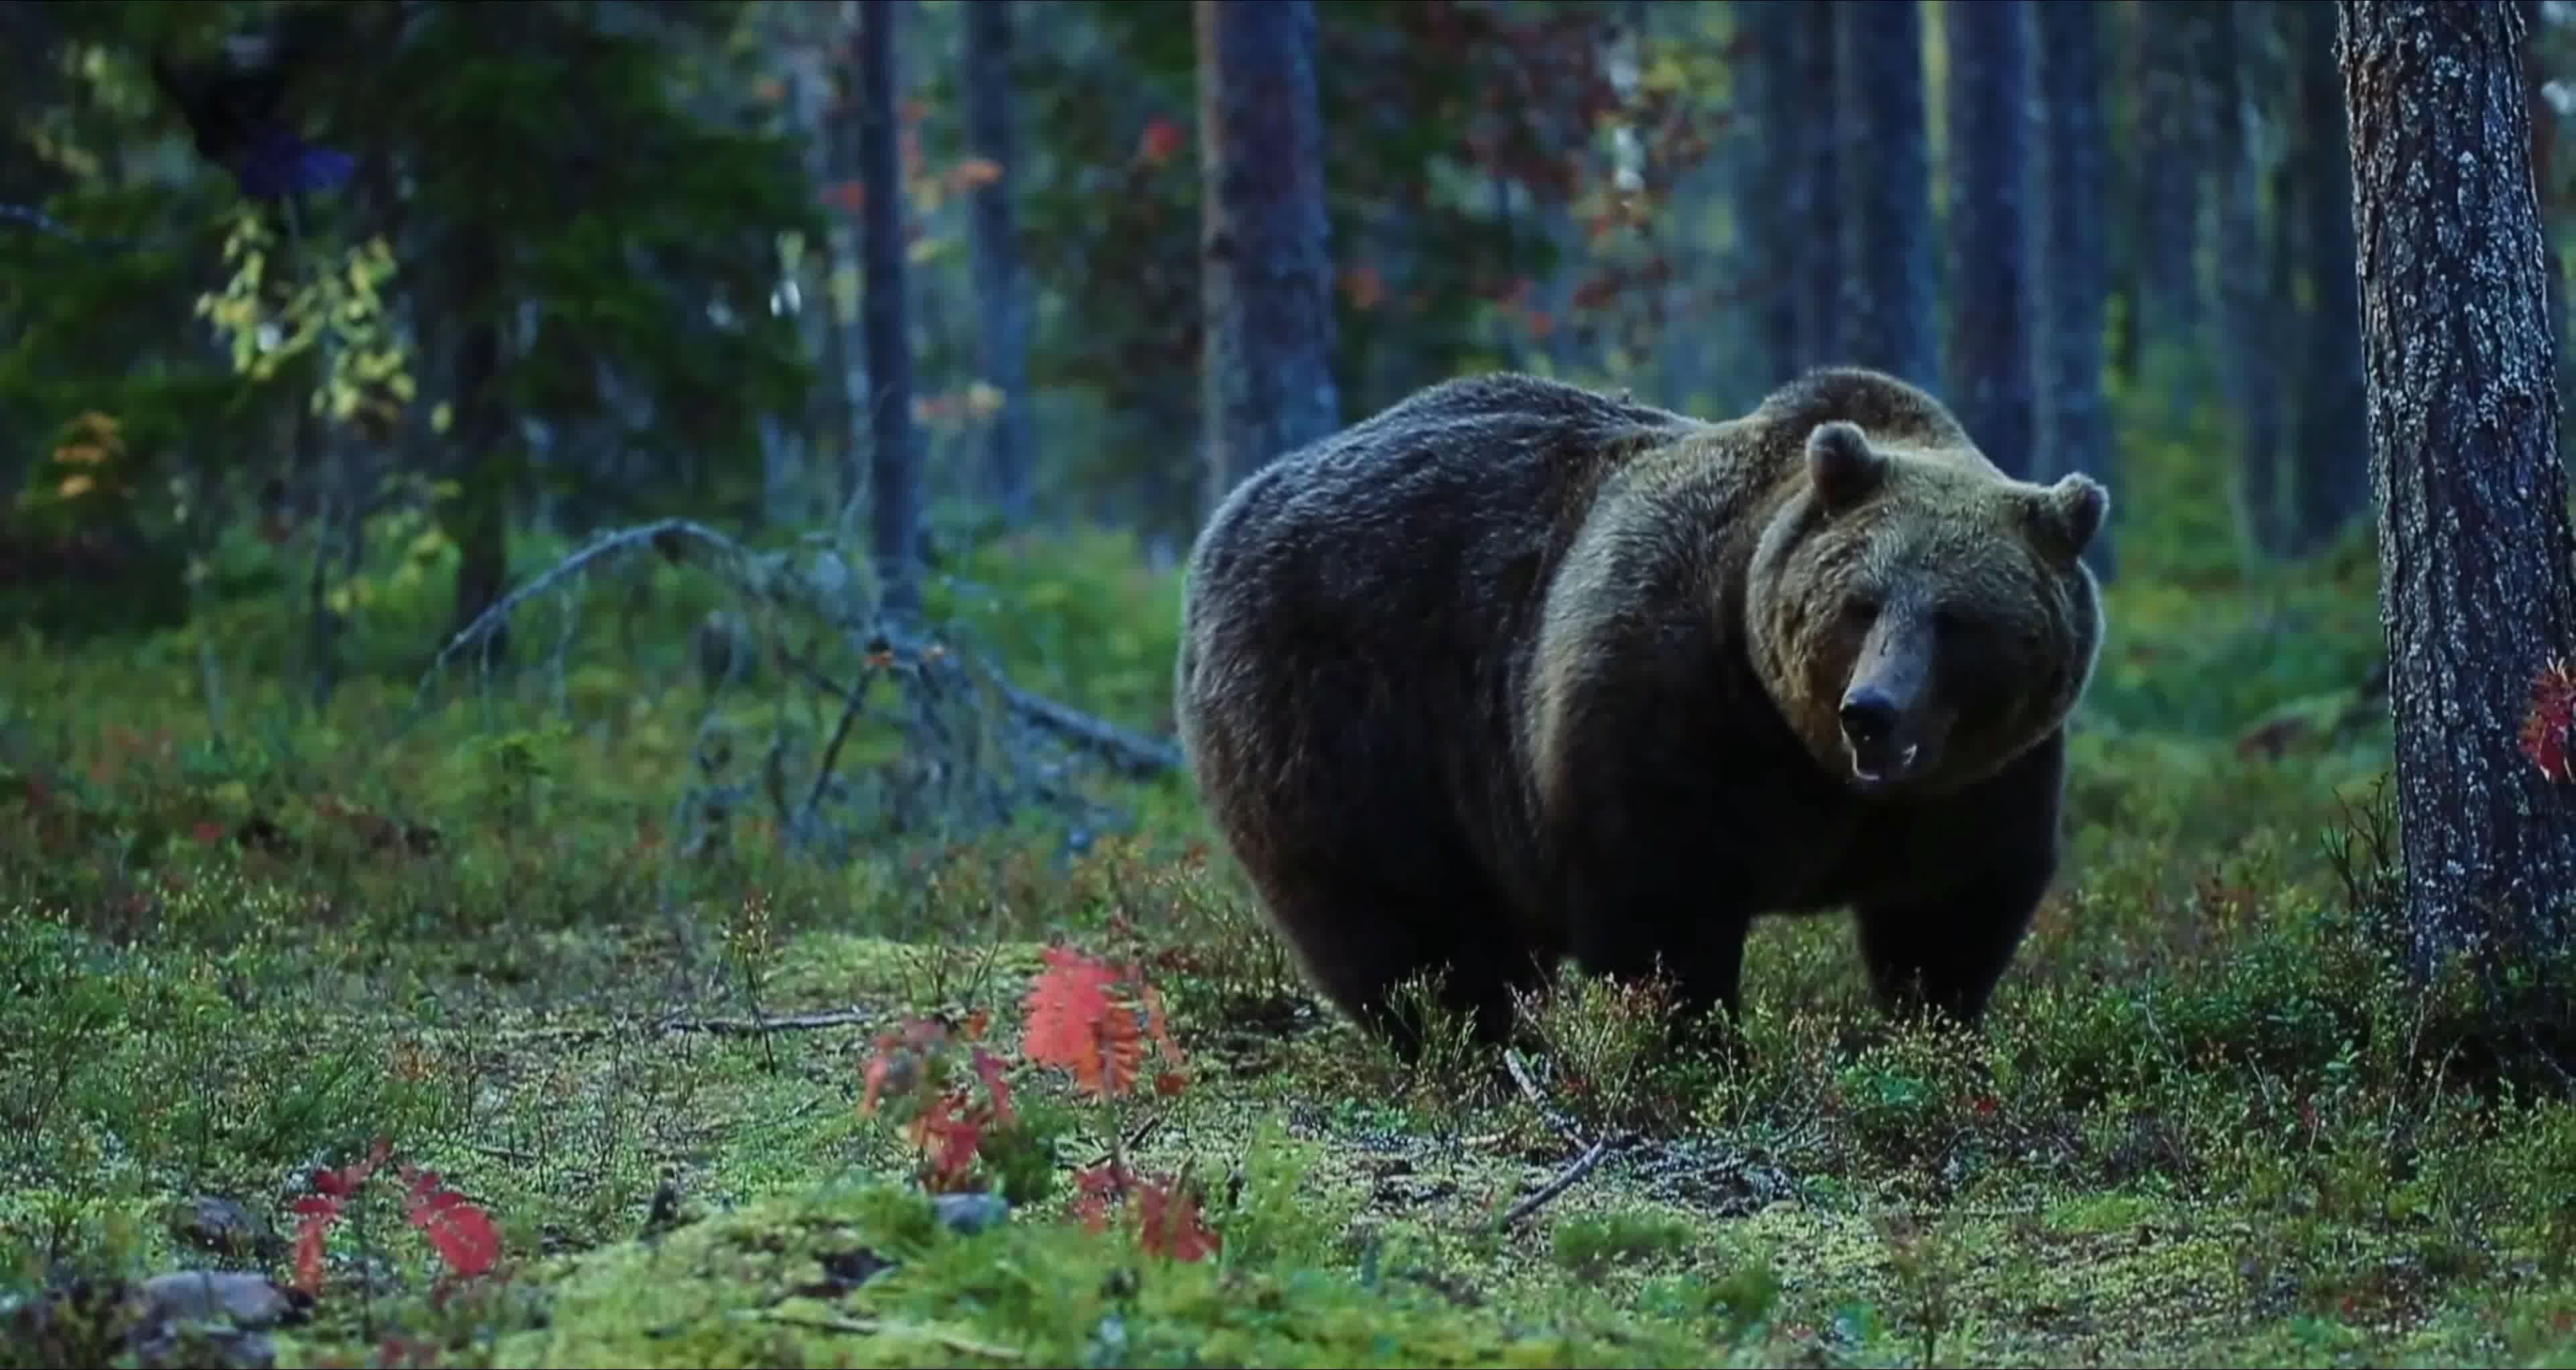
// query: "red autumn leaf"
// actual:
[[460, 1230], [1171, 1082], [207, 832], [989, 1068], [1066, 1002], [1096, 1189], [1162, 138], [850, 196], [1361, 286], [2548, 722], [318, 1212], [1170, 1222], [975, 171]]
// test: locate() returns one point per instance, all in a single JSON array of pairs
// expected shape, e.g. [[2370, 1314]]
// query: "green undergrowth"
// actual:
[[243, 938]]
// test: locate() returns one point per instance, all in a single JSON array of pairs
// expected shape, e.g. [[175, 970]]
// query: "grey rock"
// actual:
[[970, 1213]]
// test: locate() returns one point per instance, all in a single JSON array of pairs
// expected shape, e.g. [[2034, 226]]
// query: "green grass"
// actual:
[[2207, 1123]]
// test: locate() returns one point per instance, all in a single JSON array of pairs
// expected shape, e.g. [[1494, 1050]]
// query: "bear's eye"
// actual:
[[1959, 626], [1860, 610]]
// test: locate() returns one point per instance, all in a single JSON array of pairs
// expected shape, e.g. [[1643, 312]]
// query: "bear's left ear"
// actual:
[[2070, 512], [1841, 466]]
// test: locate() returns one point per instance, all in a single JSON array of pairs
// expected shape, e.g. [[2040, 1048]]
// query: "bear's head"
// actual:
[[1919, 617]]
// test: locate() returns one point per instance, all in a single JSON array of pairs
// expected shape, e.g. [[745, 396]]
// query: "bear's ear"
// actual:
[[1841, 465], [2070, 513]]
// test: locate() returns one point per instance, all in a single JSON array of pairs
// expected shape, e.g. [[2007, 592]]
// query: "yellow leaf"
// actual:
[[442, 417], [338, 599], [983, 400], [73, 487], [429, 544], [925, 248], [844, 289]]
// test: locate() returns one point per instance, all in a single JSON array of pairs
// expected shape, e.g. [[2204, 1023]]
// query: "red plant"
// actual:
[[2547, 724], [458, 1229], [949, 1124]]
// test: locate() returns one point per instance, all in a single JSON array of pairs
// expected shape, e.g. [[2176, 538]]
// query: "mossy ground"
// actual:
[[2208, 1124]]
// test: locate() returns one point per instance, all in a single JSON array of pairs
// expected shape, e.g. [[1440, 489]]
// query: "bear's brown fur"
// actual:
[[1514, 669]]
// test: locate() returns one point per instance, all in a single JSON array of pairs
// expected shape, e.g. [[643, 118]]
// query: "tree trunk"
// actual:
[[1001, 288], [478, 520], [2331, 442], [1771, 172], [2072, 272], [2475, 583], [1818, 191], [1267, 287], [1887, 221], [894, 471], [1988, 227], [2249, 336], [2169, 129]]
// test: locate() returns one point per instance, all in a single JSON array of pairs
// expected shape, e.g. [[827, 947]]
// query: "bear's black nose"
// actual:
[[1869, 716]]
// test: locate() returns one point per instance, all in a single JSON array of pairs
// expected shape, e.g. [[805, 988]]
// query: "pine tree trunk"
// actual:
[[1987, 367], [1001, 287], [1818, 191], [894, 469], [1267, 289], [2475, 584], [1887, 221], [2332, 486], [2250, 336], [1772, 169], [2071, 274]]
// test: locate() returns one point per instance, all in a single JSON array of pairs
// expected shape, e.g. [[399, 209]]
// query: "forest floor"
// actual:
[[684, 1086]]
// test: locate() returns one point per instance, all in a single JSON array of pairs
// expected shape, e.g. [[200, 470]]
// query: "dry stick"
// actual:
[[721, 1027], [1565, 1180], [876, 1327], [1135, 1138], [1529, 1089]]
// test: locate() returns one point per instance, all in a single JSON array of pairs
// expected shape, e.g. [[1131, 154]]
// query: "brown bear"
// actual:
[[1514, 670]]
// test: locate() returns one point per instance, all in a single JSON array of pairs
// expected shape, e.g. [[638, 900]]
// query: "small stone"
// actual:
[[968, 1214]]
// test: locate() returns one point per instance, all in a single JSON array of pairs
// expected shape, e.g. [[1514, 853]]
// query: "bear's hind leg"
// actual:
[[1361, 939]]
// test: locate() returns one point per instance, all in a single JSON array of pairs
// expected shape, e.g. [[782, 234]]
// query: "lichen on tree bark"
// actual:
[[2474, 545]]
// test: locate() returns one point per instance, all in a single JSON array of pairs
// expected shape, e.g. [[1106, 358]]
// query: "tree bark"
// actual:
[[2474, 545], [1988, 227], [1887, 224], [1001, 287], [2072, 273], [1267, 279], [894, 468]]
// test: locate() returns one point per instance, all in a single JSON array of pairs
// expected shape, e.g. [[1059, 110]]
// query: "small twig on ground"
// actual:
[[874, 1327], [1529, 1089], [1566, 1178], [721, 1027], [1135, 1138]]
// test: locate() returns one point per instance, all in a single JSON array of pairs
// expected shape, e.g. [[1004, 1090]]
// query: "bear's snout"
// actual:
[[1874, 732]]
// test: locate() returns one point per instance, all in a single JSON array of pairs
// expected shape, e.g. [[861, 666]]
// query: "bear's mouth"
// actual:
[[1879, 764]]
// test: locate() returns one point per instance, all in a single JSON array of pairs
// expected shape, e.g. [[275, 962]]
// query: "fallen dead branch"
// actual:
[[1566, 1179], [974, 744], [719, 1027]]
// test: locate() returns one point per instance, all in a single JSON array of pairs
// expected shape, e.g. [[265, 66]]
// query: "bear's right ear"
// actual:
[[1841, 465]]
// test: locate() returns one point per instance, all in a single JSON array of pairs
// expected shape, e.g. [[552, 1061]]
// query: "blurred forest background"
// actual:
[[597, 263], [570, 573]]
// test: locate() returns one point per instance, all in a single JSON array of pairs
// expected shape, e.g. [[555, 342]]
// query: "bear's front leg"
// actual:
[[1627, 923], [1946, 951]]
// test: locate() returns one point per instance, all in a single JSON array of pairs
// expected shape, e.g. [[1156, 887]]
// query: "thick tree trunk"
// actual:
[[2475, 584], [2332, 486], [2169, 126], [894, 470], [2071, 274], [1267, 280], [1887, 221], [1001, 288], [1988, 367]]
